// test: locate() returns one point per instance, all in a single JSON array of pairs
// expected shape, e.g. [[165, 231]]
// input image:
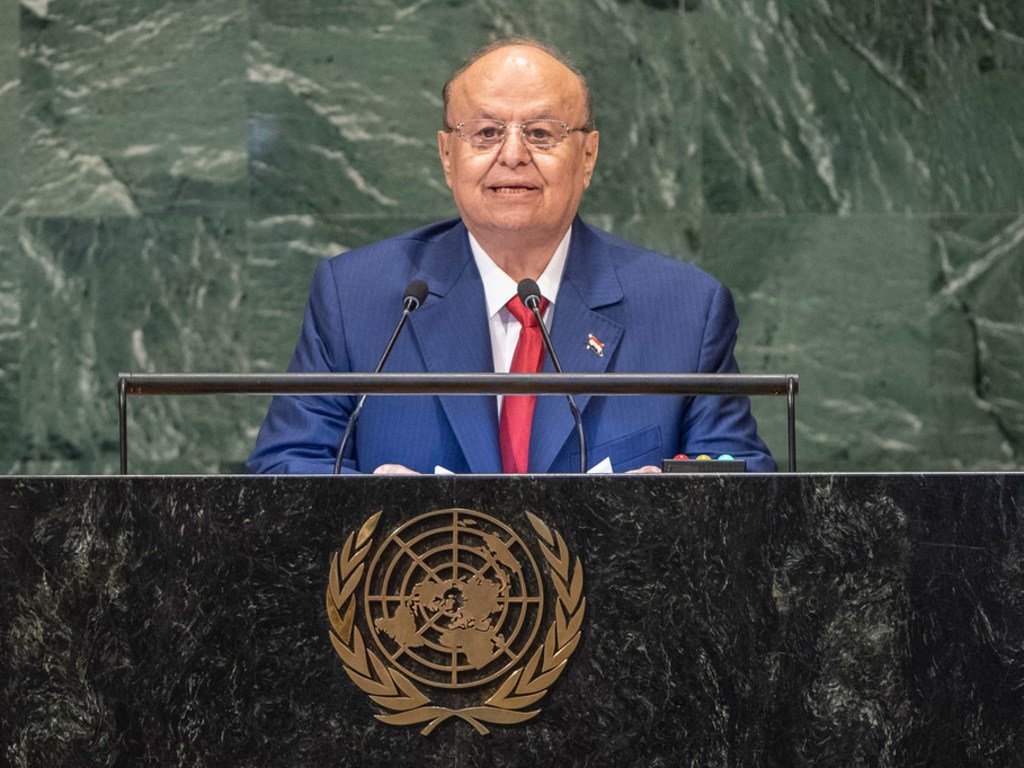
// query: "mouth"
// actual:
[[511, 189]]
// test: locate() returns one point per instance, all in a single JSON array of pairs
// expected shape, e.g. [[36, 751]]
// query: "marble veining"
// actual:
[[790, 620], [170, 173]]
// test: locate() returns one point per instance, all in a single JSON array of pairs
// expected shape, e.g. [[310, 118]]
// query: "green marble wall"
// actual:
[[171, 171]]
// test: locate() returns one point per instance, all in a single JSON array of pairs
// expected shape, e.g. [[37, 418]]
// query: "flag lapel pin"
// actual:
[[595, 346]]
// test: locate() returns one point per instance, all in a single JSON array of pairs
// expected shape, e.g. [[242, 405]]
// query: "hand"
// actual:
[[394, 469], [649, 469]]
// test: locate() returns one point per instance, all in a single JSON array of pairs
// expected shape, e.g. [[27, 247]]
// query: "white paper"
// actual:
[[603, 467]]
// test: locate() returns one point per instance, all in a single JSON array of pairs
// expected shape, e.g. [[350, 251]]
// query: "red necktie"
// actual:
[[517, 410]]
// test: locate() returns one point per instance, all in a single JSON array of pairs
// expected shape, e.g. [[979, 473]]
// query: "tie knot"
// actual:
[[525, 317]]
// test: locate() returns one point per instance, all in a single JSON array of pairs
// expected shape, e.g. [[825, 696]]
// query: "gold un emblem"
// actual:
[[454, 603]]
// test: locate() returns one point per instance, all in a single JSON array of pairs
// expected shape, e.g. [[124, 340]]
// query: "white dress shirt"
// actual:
[[499, 288]]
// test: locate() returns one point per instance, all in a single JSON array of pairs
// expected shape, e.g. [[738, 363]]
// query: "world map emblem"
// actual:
[[453, 602]]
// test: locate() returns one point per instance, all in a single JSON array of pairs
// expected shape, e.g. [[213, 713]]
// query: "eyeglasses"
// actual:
[[488, 134]]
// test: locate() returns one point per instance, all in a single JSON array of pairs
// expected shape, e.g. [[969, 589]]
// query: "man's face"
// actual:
[[515, 192]]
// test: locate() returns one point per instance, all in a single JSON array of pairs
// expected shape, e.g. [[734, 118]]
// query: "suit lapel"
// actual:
[[588, 283], [452, 333]]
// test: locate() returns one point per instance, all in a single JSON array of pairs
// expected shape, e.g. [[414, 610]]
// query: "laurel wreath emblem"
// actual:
[[394, 692]]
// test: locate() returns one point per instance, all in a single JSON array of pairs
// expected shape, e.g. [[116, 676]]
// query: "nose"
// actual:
[[513, 150]]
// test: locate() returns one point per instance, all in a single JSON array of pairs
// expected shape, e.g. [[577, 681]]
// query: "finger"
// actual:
[[394, 469]]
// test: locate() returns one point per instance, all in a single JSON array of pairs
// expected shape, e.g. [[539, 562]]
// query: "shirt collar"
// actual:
[[499, 287]]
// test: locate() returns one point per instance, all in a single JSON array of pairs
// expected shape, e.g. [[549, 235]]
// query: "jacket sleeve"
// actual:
[[300, 433], [716, 424]]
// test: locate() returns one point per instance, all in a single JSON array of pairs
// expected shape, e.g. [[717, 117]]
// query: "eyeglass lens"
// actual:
[[542, 134]]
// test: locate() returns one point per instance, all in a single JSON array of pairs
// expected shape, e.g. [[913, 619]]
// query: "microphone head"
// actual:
[[529, 293], [415, 294]]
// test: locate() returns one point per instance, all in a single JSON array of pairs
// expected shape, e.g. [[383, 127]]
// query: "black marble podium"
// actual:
[[730, 621]]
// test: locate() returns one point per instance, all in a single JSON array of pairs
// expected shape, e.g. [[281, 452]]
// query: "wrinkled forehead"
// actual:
[[518, 81]]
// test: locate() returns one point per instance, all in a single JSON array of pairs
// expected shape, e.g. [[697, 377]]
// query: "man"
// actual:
[[518, 149]]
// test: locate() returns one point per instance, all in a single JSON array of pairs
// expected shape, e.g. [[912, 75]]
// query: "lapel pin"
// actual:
[[595, 346]]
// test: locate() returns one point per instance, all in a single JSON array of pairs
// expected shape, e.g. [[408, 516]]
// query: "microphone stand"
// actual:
[[415, 293], [529, 294]]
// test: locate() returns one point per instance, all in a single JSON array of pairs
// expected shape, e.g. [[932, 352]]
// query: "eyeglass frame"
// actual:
[[566, 128]]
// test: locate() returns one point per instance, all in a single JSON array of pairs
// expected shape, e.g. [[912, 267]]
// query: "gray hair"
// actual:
[[508, 42]]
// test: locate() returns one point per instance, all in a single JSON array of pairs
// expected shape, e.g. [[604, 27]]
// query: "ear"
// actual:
[[444, 148], [591, 141]]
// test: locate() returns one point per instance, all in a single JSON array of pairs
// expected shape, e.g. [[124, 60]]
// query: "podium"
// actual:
[[721, 620]]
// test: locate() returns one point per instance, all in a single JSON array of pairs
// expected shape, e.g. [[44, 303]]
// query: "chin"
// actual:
[[510, 216], [514, 224]]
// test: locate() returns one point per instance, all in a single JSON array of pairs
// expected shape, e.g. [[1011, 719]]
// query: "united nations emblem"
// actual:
[[454, 603]]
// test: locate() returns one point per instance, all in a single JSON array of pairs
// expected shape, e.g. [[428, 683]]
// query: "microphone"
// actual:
[[529, 294], [415, 295]]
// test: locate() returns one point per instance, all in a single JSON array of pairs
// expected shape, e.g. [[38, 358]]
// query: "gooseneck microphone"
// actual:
[[529, 294], [415, 295]]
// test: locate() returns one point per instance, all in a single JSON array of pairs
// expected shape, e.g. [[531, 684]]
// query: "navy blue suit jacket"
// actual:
[[654, 314]]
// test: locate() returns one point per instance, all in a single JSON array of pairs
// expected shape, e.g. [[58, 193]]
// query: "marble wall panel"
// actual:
[[9, 73], [10, 344], [132, 108], [676, 234], [346, 102], [641, 61], [976, 322], [976, 73], [814, 107], [344, 107], [853, 170], [150, 294], [10, 275], [283, 252], [842, 302], [854, 107]]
